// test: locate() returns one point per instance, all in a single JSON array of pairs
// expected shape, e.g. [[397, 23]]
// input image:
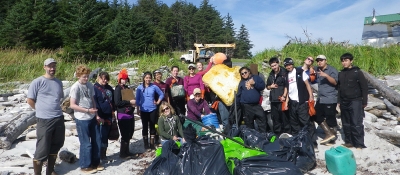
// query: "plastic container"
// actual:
[[210, 119], [340, 161]]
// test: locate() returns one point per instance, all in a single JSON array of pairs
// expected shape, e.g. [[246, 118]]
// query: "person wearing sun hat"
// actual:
[[193, 81]]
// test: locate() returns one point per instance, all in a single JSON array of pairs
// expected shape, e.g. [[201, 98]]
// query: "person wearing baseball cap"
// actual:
[[299, 92], [193, 81], [45, 94], [197, 106], [327, 76]]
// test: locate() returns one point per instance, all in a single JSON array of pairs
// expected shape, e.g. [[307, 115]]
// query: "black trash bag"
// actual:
[[253, 138], [189, 133], [204, 156], [265, 165], [232, 129], [166, 162], [298, 149]]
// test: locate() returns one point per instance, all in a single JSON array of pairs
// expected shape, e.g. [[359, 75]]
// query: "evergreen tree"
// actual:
[[208, 24], [184, 24], [80, 28], [243, 44], [229, 33]]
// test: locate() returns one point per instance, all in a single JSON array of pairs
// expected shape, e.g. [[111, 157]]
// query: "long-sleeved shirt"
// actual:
[[190, 83], [250, 96], [145, 97], [168, 127], [103, 96], [352, 85], [122, 106], [196, 109], [174, 80]]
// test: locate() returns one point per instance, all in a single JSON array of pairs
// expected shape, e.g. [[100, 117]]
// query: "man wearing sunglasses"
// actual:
[[249, 95], [309, 69]]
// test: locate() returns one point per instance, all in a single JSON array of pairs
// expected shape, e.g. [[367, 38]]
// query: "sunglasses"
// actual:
[[167, 108], [309, 59], [192, 68], [319, 60], [244, 73]]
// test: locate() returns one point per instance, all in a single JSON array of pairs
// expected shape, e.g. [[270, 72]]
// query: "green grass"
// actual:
[[377, 61]]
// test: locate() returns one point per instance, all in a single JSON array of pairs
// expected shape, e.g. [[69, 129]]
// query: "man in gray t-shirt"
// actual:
[[44, 95], [327, 78]]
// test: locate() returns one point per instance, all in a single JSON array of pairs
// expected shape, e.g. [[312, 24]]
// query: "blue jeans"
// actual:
[[224, 113], [103, 130], [89, 138]]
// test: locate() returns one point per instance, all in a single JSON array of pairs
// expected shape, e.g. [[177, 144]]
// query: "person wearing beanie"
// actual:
[[125, 116]]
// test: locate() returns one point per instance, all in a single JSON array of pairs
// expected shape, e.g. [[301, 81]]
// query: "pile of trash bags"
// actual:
[[265, 154]]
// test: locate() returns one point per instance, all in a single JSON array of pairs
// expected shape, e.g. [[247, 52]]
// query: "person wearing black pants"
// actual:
[[352, 98], [146, 101], [299, 92], [276, 83], [249, 96], [125, 109]]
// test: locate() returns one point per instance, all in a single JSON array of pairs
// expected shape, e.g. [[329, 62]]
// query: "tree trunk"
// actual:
[[394, 110], [386, 92], [13, 129]]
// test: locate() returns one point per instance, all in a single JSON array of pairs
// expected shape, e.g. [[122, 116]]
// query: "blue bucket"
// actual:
[[210, 119]]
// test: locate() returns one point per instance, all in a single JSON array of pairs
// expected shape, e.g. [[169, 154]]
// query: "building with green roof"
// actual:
[[381, 30]]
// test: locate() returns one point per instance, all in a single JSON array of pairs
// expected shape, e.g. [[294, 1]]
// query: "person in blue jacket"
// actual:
[[147, 108], [249, 97]]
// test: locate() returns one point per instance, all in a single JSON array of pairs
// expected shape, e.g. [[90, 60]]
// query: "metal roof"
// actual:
[[383, 19]]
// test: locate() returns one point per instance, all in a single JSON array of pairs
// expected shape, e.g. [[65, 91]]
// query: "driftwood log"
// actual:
[[394, 110], [13, 129], [386, 92], [391, 136]]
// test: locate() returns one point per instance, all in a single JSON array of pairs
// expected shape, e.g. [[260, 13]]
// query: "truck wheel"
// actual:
[[183, 60]]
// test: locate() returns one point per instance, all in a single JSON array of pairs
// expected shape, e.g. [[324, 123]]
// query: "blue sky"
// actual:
[[270, 21]]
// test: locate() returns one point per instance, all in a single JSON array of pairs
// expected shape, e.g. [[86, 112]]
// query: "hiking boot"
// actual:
[[122, 150], [328, 135], [88, 170], [37, 167], [146, 142], [152, 139], [348, 145]]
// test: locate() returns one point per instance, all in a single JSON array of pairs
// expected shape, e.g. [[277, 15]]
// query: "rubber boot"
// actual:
[[152, 139], [103, 154], [122, 150], [146, 142], [127, 152], [37, 167], [51, 162], [333, 141], [328, 135]]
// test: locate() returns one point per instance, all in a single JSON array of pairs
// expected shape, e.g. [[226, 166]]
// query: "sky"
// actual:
[[269, 22]]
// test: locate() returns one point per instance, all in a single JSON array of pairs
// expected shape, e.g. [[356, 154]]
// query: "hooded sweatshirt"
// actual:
[[352, 85]]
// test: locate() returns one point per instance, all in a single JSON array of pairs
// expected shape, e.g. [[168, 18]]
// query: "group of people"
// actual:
[[164, 106]]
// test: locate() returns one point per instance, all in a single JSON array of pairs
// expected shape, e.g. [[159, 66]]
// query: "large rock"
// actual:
[[376, 112], [370, 117]]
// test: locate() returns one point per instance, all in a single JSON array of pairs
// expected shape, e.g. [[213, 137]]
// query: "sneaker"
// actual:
[[88, 170], [99, 167], [348, 145]]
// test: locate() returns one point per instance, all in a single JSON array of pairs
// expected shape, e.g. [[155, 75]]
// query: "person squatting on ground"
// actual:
[[277, 83], [249, 97], [197, 107], [86, 118], [299, 92], [178, 102], [125, 116], [169, 125], [327, 77], [103, 96], [352, 98], [45, 94], [147, 108]]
